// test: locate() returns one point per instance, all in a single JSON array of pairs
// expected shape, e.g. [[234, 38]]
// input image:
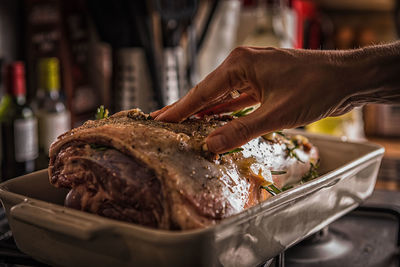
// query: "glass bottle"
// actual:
[[54, 118], [18, 126]]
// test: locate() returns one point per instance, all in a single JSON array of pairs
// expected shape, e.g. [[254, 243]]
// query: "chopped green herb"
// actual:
[[101, 113], [98, 147], [242, 112], [278, 172], [287, 187], [295, 143], [232, 151], [311, 174], [272, 189]]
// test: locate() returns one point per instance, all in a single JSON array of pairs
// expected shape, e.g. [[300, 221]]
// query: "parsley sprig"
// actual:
[[101, 113]]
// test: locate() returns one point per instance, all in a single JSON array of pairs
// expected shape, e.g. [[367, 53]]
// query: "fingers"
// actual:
[[154, 114], [238, 132], [230, 75], [236, 104], [207, 92]]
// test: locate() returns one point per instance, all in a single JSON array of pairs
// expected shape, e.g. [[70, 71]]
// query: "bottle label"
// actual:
[[25, 139], [52, 125]]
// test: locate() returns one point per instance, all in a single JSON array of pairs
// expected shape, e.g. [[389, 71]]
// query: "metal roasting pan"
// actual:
[[60, 236]]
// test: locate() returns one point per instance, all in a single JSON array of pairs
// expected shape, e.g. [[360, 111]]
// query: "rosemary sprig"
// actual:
[[281, 133], [101, 113], [278, 172], [291, 152], [242, 112], [272, 189], [269, 190], [275, 189], [238, 149]]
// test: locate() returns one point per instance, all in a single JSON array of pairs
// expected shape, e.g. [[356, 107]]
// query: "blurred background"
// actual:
[[61, 60]]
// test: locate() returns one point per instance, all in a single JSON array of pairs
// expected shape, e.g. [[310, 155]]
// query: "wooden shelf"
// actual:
[[360, 5], [392, 146], [387, 185]]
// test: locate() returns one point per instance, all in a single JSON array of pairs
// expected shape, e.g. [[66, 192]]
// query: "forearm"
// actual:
[[377, 69]]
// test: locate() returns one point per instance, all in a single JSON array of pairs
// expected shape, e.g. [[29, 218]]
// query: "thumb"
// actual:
[[238, 132]]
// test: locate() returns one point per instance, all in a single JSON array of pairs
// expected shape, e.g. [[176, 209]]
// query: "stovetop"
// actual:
[[365, 237], [368, 236]]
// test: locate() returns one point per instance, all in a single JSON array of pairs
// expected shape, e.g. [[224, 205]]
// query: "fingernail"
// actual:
[[155, 113], [159, 117], [216, 143]]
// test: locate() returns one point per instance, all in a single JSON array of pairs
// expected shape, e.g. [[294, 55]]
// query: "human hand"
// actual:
[[294, 88]]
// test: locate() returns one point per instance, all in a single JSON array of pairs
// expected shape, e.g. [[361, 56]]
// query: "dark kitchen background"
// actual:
[[61, 60]]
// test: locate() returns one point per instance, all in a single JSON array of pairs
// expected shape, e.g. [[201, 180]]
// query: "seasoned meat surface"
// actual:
[[104, 181], [132, 168]]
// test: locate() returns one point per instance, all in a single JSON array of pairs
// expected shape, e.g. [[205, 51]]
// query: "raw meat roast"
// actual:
[[131, 168]]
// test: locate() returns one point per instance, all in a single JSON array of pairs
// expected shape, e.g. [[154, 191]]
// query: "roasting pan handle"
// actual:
[[58, 220]]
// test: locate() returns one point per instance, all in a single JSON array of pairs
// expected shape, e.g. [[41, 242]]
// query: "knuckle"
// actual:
[[203, 100], [195, 91], [239, 55], [198, 97], [241, 50], [201, 96], [237, 65]]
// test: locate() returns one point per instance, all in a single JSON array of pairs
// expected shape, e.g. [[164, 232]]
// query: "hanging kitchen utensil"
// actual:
[[175, 18], [132, 82], [126, 24]]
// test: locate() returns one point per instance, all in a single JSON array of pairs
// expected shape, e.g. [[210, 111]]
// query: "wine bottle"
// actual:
[[54, 118], [18, 126]]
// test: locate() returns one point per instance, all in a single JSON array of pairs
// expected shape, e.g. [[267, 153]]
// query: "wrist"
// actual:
[[373, 73]]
